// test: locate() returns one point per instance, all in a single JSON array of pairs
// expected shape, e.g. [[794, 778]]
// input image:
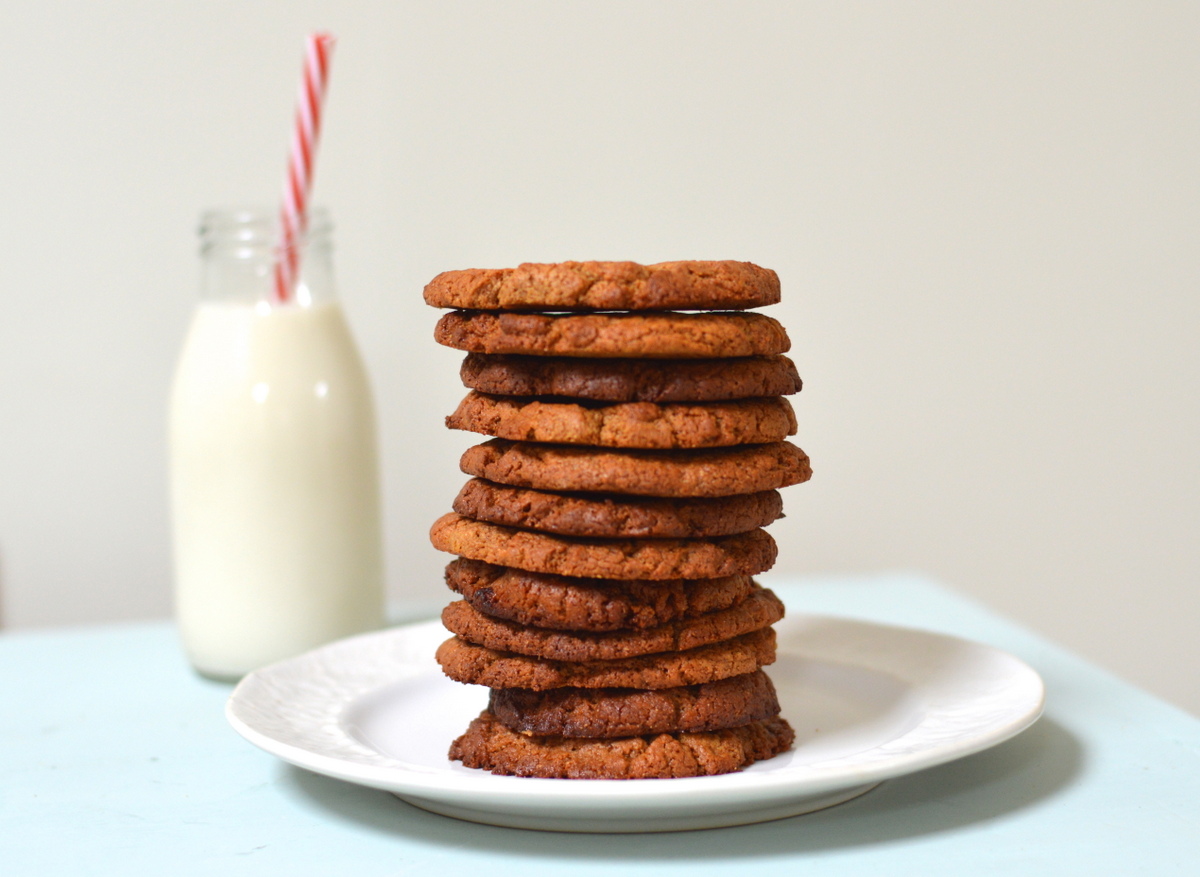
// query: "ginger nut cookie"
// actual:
[[669, 425], [739, 554], [478, 665], [631, 380], [760, 609], [566, 603], [489, 745], [623, 286], [629, 712], [690, 473], [578, 514], [655, 334]]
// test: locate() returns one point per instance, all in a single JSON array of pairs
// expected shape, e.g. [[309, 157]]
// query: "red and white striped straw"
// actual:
[[293, 217]]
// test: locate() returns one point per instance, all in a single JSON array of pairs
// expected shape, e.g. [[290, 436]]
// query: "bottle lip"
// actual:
[[254, 225]]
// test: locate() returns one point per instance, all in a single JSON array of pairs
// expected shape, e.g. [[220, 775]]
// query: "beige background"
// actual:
[[985, 216]]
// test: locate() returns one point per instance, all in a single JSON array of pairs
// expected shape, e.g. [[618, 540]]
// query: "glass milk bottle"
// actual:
[[273, 467]]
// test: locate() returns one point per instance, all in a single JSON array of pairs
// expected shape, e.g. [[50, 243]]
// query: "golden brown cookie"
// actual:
[[621, 286], [740, 554], [478, 665], [757, 611], [565, 603], [703, 472], [629, 712], [590, 514], [627, 424], [487, 744], [655, 335], [631, 380]]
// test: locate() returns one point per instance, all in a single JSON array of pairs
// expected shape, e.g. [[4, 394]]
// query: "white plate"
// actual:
[[868, 703]]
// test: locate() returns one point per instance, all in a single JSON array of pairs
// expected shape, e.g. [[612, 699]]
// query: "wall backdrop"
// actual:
[[986, 218]]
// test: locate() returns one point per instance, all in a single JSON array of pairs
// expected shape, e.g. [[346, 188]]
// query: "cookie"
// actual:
[[629, 712], [487, 744], [623, 286], [740, 554], [478, 665], [656, 335], [627, 424], [564, 603], [631, 380], [757, 611], [576, 514], [711, 472]]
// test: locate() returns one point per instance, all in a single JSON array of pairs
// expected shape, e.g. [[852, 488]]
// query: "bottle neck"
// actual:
[[239, 250]]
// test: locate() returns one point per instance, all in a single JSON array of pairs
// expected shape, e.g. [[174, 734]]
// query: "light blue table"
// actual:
[[116, 759]]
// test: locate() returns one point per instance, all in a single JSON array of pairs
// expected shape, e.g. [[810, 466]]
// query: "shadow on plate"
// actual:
[[1020, 773]]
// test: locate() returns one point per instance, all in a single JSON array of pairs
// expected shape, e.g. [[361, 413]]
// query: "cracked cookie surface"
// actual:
[[655, 334], [572, 603], [740, 554], [489, 745], [760, 609], [682, 285], [669, 425], [478, 665], [631, 380], [576, 514], [693, 473], [627, 712]]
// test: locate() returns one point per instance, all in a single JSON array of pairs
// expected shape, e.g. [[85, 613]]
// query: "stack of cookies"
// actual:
[[608, 537]]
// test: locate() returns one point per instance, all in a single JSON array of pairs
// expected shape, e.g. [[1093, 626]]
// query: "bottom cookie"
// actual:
[[489, 745]]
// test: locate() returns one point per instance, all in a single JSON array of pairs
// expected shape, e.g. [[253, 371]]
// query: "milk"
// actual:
[[274, 485]]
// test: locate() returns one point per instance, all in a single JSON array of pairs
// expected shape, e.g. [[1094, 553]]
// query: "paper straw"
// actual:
[[293, 217]]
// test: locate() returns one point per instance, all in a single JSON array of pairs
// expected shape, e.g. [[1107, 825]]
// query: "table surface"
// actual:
[[116, 759]]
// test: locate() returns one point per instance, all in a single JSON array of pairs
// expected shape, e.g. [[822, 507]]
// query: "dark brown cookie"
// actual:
[[631, 380], [711, 472], [478, 665], [487, 744], [627, 424], [760, 609], [656, 335], [621, 286], [564, 603], [589, 514], [630, 712], [740, 554]]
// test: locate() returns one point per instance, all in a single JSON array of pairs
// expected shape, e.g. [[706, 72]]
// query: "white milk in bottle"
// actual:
[[273, 466]]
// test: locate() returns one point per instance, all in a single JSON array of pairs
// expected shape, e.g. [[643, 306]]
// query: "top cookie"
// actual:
[[625, 286]]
